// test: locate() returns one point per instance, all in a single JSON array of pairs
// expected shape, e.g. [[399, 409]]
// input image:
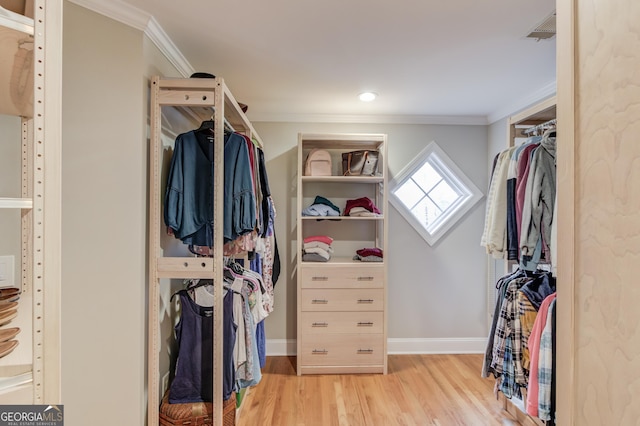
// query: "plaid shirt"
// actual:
[[527, 313], [545, 365], [509, 330]]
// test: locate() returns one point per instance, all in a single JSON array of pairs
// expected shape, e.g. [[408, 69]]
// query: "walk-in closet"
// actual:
[[241, 213]]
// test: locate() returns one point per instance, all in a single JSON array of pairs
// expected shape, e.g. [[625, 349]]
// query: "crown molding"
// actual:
[[539, 95], [118, 11], [469, 120], [162, 41], [143, 21]]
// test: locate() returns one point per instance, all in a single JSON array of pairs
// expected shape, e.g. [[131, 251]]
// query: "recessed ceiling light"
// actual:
[[367, 96]]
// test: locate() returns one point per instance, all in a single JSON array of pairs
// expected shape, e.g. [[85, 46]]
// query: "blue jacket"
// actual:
[[189, 194]]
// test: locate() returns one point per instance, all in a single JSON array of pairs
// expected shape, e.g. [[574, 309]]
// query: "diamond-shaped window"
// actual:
[[432, 193]]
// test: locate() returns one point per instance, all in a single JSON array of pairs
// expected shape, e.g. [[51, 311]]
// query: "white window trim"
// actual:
[[442, 225]]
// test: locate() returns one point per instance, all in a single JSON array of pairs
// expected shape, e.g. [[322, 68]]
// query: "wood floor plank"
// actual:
[[424, 390]]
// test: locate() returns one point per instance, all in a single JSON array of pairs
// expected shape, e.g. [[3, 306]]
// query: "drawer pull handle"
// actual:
[[365, 300], [365, 278], [365, 351], [319, 278], [320, 324], [365, 324], [320, 301], [319, 351]]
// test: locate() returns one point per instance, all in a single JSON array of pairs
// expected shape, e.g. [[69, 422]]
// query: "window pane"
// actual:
[[444, 195], [409, 193], [426, 177], [450, 193], [426, 212]]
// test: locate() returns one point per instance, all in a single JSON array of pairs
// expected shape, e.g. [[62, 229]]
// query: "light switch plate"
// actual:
[[7, 276]]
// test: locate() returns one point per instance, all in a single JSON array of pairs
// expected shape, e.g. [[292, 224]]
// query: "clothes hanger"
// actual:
[[206, 125]]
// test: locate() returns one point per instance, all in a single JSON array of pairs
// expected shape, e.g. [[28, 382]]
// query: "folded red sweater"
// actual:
[[361, 202], [370, 252]]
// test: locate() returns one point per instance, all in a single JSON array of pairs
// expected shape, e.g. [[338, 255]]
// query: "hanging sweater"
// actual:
[[537, 214]]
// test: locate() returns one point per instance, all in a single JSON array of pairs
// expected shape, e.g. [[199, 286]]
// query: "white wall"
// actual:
[[10, 186], [103, 221], [449, 299]]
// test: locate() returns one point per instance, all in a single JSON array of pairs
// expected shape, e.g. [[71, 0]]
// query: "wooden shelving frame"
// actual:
[[204, 99], [537, 114], [35, 46]]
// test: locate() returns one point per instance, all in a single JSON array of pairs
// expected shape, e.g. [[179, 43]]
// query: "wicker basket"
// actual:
[[195, 414]]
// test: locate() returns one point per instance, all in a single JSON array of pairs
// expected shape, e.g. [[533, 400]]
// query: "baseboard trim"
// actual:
[[469, 345], [281, 347]]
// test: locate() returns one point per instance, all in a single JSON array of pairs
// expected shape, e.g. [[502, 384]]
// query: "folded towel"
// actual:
[[312, 257], [319, 210], [318, 251], [322, 238], [362, 212], [320, 244], [322, 200], [367, 258]]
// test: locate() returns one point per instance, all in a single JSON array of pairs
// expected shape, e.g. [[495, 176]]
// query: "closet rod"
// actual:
[[546, 125]]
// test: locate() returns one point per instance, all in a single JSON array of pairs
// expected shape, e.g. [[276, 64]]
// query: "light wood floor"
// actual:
[[419, 390]]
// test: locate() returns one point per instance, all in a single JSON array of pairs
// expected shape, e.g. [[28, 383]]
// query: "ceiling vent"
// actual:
[[546, 29]]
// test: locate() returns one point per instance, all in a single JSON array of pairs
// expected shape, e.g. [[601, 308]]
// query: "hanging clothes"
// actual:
[[520, 203], [193, 381], [540, 195], [188, 207], [534, 348], [507, 355]]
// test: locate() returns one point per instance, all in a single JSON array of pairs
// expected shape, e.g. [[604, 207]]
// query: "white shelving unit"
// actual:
[[342, 325], [30, 89]]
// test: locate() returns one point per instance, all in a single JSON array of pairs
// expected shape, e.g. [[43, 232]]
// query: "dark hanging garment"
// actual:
[[276, 262], [266, 191], [188, 205], [193, 381]]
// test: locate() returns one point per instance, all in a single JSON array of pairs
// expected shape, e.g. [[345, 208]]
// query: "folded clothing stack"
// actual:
[[317, 248], [368, 255], [361, 207], [321, 207]]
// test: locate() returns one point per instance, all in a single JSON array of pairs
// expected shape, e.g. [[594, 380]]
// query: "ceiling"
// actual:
[[296, 60]]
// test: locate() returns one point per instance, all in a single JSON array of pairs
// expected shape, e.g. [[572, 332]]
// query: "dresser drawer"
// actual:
[[342, 300], [341, 322], [342, 349], [339, 276]]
